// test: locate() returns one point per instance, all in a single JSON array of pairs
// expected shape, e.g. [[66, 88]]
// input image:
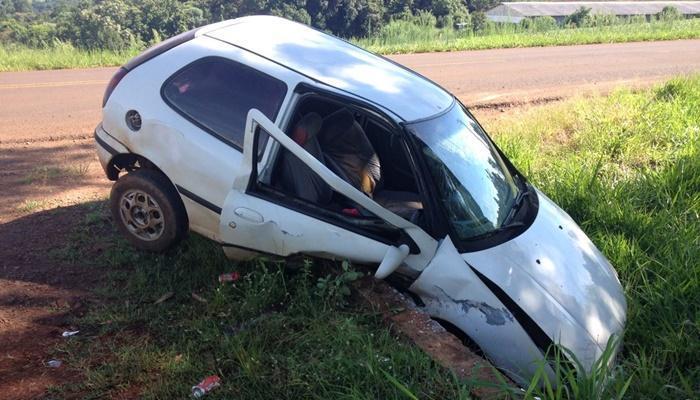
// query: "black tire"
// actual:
[[148, 210]]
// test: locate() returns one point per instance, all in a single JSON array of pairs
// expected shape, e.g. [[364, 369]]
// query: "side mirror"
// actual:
[[392, 259]]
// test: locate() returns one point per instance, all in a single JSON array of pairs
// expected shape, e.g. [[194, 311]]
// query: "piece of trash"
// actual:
[[164, 297], [205, 386], [69, 333], [54, 363], [229, 277], [198, 298]]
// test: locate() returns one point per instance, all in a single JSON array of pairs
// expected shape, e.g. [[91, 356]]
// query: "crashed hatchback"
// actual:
[[268, 136]]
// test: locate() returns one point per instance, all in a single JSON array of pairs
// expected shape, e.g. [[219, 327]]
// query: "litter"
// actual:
[[164, 297], [69, 333], [198, 298], [229, 277], [54, 363], [205, 386]]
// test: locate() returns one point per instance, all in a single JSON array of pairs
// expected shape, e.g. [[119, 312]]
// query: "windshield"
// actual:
[[472, 182]]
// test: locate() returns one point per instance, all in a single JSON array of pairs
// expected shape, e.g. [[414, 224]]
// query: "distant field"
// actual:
[[403, 38]]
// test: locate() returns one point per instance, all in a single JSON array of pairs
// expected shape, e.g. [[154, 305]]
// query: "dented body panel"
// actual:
[[559, 278], [453, 292]]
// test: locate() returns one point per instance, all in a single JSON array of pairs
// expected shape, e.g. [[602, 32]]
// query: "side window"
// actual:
[[216, 94], [297, 186]]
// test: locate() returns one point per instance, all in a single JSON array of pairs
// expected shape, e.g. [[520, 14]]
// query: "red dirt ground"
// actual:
[[39, 294]]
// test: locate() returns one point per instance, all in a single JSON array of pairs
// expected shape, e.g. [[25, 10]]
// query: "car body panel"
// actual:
[[558, 277], [196, 161], [337, 63], [452, 292]]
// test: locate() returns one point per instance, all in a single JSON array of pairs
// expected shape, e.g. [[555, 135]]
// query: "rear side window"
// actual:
[[216, 94]]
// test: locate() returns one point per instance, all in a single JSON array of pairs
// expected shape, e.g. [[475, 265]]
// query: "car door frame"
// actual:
[[246, 180]]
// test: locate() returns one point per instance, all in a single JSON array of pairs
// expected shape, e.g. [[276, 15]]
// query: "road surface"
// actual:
[[40, 105]]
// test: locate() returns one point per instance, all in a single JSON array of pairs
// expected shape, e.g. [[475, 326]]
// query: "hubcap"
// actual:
[[141, 215]]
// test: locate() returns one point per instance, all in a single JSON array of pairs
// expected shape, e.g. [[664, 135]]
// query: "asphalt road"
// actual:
[[41, 105]]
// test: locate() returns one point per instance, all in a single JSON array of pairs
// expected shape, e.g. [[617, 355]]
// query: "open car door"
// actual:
[[253, 222]]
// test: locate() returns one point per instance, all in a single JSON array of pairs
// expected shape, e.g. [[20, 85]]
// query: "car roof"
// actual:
[[335, 62]]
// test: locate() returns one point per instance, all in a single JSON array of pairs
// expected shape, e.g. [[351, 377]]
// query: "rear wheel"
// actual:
[[148, 210]]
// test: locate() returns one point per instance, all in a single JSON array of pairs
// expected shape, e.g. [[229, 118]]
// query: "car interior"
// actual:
[[360, 148]]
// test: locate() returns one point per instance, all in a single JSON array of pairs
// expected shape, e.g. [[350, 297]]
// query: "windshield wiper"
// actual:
[[522, 194]]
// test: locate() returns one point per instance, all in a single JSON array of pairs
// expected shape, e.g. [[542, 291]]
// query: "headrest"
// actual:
[[337, 123], [310, 124]]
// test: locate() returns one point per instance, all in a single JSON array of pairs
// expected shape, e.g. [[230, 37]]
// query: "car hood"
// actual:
[[560, 279]]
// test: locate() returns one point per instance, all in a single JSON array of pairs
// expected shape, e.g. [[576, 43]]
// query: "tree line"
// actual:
[[126, 24], [118, 24]]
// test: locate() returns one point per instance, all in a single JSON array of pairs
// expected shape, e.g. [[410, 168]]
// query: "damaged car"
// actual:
[[269, 137]]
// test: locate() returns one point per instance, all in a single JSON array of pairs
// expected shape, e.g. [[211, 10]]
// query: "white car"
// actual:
[[268, 136]]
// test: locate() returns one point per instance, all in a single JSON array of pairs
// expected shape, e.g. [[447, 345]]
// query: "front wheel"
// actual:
[[148, 210]]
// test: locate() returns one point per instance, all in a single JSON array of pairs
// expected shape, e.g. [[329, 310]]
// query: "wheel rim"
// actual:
[[141, 215]]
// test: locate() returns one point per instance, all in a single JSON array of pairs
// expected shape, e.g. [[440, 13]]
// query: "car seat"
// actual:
[[349, 153], [295, 176]]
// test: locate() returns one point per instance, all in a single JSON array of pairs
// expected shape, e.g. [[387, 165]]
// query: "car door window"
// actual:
[[300, 188], [216, 94]]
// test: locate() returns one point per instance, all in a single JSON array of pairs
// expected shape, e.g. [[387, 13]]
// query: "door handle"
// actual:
[[249, 215]]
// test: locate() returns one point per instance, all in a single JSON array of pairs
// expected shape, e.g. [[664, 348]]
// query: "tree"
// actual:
[[454, 11], [479, 21], [669, 13]]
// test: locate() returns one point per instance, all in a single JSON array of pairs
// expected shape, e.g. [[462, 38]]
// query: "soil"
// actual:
[[40, 294]]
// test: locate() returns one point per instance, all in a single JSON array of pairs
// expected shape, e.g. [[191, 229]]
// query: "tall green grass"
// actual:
[[626, 167], [59, 56], [408, 37]]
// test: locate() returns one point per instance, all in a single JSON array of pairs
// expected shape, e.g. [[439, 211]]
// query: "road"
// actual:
[[40, 105]]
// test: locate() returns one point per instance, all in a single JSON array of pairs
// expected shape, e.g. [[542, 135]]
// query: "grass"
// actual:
[[61, 56], [29, 206], [626, 167], [45, 174], [409, 38], [398, 37], [276, 333]]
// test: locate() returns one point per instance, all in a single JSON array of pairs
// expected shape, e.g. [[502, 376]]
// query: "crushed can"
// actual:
[[229, 277], [205, 386]]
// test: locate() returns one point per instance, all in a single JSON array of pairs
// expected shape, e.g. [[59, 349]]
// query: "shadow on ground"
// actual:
[[44, 286]]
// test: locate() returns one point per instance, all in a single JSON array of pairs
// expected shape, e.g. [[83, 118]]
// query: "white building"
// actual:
[[559, 10]]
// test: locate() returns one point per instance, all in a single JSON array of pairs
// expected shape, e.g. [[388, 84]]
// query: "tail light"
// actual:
[[121, 73]]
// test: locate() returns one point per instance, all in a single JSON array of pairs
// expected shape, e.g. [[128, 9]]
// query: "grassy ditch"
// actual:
[[626, 167], [397, 37]]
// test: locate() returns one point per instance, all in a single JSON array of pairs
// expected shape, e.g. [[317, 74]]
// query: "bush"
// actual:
[[539, 24], [479, 21], [669, 13], [594, 20], [578, 18]]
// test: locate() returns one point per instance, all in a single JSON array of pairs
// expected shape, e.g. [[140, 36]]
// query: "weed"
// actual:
[[29, 206], [335, 289], [46, 174]]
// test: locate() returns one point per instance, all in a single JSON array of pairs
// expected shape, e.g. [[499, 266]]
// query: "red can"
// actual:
[[230, 277], [205, 386]]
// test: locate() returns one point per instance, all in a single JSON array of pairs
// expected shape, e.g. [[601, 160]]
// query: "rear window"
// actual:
[[216, 94]]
